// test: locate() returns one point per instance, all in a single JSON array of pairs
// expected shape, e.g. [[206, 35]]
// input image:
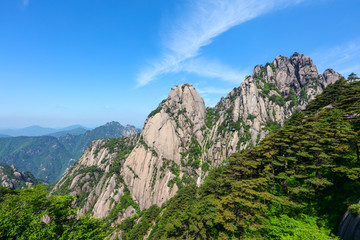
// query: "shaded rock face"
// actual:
[[11, 177], [182, 139], [349, 228]]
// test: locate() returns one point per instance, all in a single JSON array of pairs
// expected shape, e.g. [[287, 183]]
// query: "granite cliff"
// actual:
[[182, 139]]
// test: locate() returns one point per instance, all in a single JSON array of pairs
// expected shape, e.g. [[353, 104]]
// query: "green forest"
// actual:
[[296, 184]]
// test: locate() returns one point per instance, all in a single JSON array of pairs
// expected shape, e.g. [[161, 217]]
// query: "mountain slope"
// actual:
[[77, 144], [48, 157], [182, 140], [96, 182], [296, 184], [75, 131], [43, 156]]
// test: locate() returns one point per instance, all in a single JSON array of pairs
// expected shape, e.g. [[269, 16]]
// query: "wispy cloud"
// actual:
[[213, 69], [344, 58], [25, 2], [213, 90], [197, 27]]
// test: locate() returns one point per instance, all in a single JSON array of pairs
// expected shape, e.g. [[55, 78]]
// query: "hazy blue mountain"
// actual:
[[76, 131], [36, 130], [3, 135], [28, 131], [77, 144]]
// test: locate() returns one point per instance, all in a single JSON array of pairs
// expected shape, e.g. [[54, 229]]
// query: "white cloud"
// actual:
[[197, 27], [212, 69], [213, 90], [344, 58]]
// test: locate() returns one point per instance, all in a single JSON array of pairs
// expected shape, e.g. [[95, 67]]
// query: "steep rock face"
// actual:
[[181, 139], [11, 177], [158, 157], [264, 101], [95, 180]]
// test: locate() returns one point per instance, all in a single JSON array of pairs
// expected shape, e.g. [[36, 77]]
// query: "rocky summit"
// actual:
[[182, 139]]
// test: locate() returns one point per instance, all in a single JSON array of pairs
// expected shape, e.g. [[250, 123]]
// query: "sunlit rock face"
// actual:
[[167, 133], [182, 139]]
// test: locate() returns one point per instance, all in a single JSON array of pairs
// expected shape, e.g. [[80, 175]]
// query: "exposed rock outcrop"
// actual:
[[95, 179], [11, 177], [167, 134], [264, 101], [181, 139]]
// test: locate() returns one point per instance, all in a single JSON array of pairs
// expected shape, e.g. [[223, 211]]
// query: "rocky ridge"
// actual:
[[11, 177], [182, 139], [263, 102], [95, 178]]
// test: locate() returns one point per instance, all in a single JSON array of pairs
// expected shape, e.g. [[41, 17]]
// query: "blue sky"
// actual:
[[88, 62]]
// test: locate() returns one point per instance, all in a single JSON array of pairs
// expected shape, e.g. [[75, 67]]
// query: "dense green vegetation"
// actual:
[[296, 184], [30, 214]]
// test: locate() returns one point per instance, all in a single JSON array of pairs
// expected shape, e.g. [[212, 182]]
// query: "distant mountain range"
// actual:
[[34, 131], [48, 157]]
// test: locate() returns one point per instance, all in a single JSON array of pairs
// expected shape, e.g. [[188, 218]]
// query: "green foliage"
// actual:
[[271, 126], [303, 95], [156, 111], [251, 117], [355, 209], [272, 67], [22, 211], [293, 98], [279, 100], [303, 227], [212, 117], [139, 230], [193, 154], [353, 77], [124, 202]]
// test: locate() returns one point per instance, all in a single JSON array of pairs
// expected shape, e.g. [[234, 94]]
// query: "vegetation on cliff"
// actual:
[[310, 166], [30, 214]]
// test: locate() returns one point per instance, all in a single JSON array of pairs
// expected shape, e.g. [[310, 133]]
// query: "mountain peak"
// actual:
[[113, 123]]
